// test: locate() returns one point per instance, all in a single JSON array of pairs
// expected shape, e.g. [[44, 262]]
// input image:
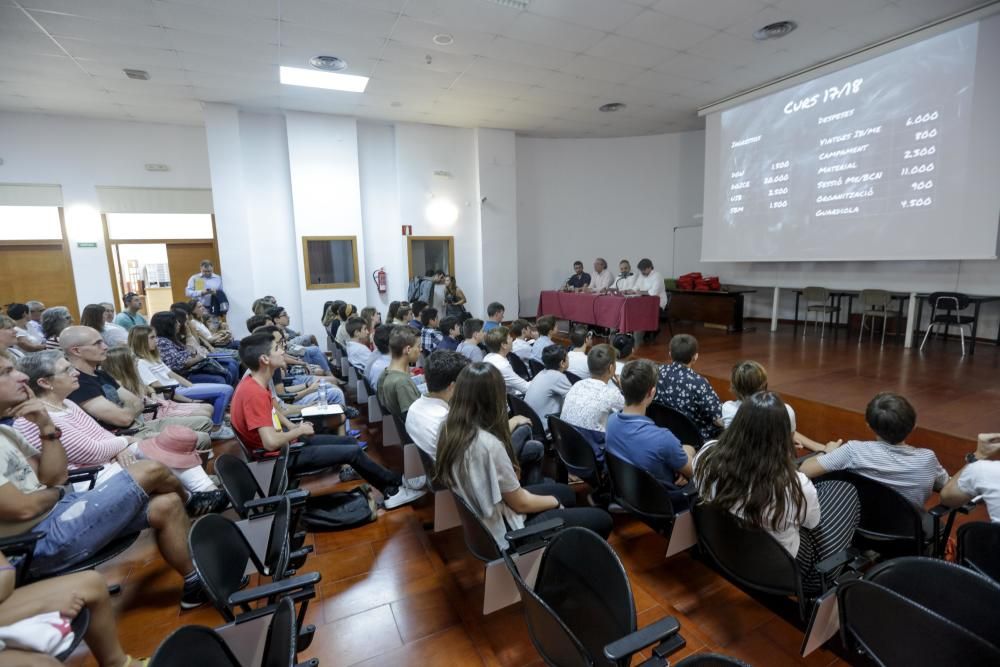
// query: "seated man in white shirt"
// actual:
[[601, 280], [498, 346], [979, 477], [581, 338], [357, 347], [427, 413], [589, 402], [625, 279], [649, 281], [548, 389], [524, 339]]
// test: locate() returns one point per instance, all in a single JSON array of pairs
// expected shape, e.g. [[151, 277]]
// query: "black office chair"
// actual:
[[197, 646], [755, 560], [892, 525], [581, 611], [642, 494], [517, 363], [921, 611], [952, 303], [677, 422], [520, 408], [221, 554], [535, 367], [575, 453], [979, 548]]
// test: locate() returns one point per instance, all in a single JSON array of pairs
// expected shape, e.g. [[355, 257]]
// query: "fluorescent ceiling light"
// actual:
[[297, 76]]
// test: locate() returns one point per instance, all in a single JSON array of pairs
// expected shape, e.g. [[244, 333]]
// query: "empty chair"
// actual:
[[921, 611], [979, 548], [517, 363], [874, 304], [581, 610], [818, 301], [642, 495], [221, 555], [524, 547], [952, 304], [535, 367], [677, 422], [230, 646], [572, 377], [520, 408]]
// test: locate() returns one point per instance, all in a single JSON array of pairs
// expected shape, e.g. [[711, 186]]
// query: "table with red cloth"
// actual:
[[614, 311]]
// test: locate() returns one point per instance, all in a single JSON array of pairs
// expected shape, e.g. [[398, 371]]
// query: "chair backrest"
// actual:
[[900, 622], [573, 377], [517, 363], [581, 600], [278, 550], [573, 449], [640, 493], [279, 477], [280, 646], [820, 294], [979, 548], [220, 553], [711, 660], [948, 301], [237, 481], [955, 592], [193, 646], [875, 298], [400, 422], [889, 523], [750, 556], [535, 366], [478, 537], [430, 470], [520, 408], [677, 422]]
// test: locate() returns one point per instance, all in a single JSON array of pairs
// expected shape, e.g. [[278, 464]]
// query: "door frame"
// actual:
[[409, 251], [115, 277], [74, 305]]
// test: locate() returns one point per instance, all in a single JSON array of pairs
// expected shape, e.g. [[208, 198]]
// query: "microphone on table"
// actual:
[[622, 277]]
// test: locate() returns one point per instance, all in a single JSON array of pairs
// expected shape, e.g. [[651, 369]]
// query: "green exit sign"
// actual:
[[88, 244]]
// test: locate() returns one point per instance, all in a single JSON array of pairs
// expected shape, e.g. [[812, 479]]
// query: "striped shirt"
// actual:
[[85, 441], [912, 471]]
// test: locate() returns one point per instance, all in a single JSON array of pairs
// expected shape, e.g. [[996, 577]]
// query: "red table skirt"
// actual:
[[624, 313]]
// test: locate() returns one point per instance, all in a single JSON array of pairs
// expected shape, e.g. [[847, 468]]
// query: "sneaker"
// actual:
[[362, 444], [194, 596], [354, 433], [206, 502], [417, 483], [224, 433], [351, 412], [347, 474], [402, 496]]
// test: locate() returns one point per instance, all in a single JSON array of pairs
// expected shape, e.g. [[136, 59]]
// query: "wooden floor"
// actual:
[[395, 594]]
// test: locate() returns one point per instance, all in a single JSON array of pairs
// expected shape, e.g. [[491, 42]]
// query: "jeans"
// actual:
[[315, 356], [592, 518], [529, 454], [83, 523], [218, 394], [230, 363], [322, 451]]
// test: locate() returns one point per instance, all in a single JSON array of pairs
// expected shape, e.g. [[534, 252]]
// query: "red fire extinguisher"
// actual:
[[381, 282]]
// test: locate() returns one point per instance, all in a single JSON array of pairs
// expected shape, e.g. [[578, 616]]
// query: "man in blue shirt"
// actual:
[[494, 316], [633, 437], [451, 330], [544, 326], [579, 280]]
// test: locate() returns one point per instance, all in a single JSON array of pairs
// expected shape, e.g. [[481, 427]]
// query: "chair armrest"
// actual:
[[127, 431], [940, 537], [664, 631], [839, 559], [534, 536], [295, 496], [305, 581], [87, 474], [166, 391], [689, 490], [24, 541]]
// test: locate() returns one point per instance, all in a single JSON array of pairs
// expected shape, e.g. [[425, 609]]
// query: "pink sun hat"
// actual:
[[174, 447]]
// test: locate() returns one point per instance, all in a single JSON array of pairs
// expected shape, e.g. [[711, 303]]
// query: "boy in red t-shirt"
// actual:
[[261, 425]]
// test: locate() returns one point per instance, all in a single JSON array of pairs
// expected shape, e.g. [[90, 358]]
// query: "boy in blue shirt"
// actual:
[[633, 437]]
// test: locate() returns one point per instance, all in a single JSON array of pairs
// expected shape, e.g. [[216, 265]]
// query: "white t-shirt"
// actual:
[[652, 285], [522, 348], [546, 393], [513, 381], [424, 420], [578, 364], [983, 479], [24, 333], [600, 281], [788, 532], [912, 471], [150, 372], [589, 402], [729, 409], [357, 354]]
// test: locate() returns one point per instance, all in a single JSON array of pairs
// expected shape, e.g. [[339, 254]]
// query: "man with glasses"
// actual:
[[204, 285], [35, 310], [113, 406], [76, 525], [131, 316]]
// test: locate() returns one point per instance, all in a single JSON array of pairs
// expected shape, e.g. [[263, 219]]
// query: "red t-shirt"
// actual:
[[252, 409]]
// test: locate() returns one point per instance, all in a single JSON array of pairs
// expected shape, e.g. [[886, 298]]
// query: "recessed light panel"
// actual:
[[348, 83]]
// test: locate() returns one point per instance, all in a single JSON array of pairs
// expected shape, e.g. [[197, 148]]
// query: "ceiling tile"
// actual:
[[541, 30], [606, 15], [337, 16], [502, 71], [718, 14], [630, 51], [535, 55], [663, 82], [120, 54], [693, 67], [105, 10], [462, 14], [726, 48], [113, 32], [421, 34], [666, 31], [211, 22], [477, 84], [601, 68], [438, 61]]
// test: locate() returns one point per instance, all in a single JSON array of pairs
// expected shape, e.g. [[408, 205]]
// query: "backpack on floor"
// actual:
[[340, 510]]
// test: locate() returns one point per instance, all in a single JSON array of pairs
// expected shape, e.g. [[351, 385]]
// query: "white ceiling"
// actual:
[[543, 71]]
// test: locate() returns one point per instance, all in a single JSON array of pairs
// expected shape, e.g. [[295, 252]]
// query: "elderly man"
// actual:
[[78, 524], [113, 406], [114, 334], [35, 310], [602, 279], [204, 285]]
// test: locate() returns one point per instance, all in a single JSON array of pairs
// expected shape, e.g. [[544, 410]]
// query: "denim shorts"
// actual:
[[84, 522]]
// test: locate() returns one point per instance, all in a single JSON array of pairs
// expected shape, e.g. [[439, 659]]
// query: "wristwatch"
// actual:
[[971, 457], [54, 435]]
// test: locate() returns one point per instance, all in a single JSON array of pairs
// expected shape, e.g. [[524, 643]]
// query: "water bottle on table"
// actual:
[[321, 401]]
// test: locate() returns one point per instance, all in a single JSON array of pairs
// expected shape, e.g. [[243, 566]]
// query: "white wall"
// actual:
[[81, 153], [611, 198], [496, 165], [380, 213]]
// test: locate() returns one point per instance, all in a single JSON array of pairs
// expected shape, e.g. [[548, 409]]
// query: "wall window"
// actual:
[[330, 261], [29, 223]]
